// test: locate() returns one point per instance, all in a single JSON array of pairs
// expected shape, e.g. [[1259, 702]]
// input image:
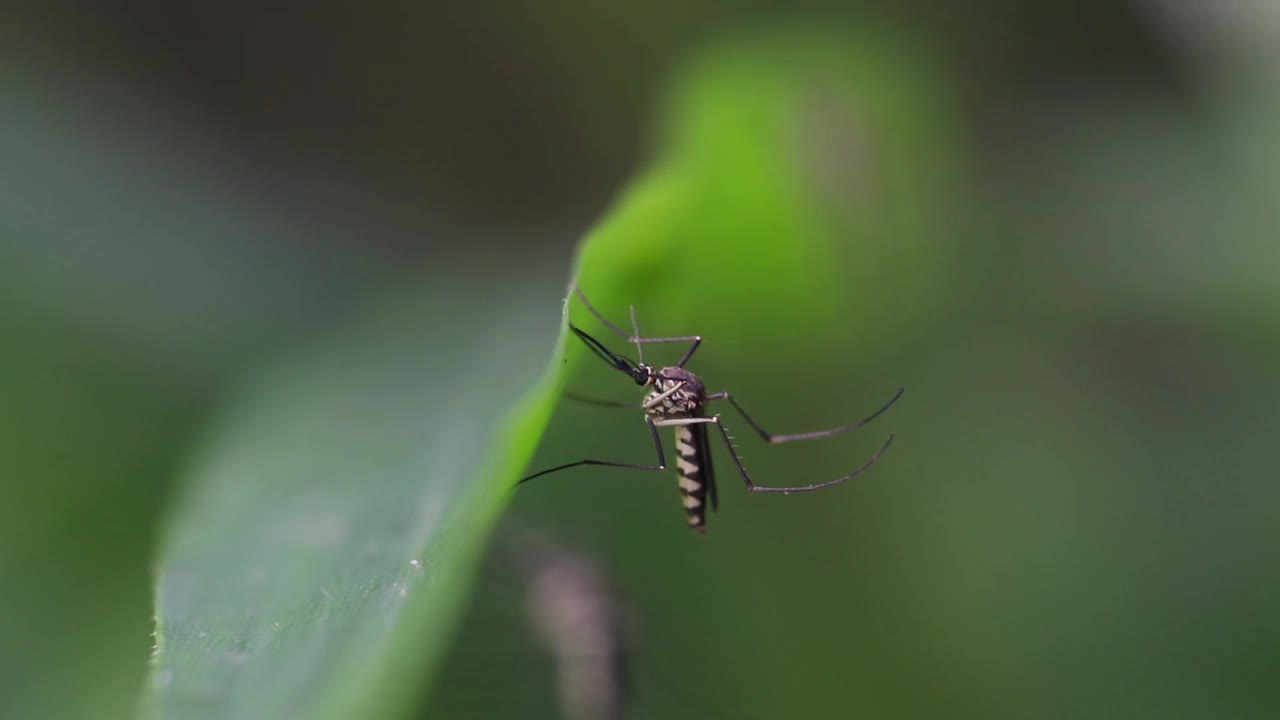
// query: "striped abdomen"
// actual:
[[693, 463]]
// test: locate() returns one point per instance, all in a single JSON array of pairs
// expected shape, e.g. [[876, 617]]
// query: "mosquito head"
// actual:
[[643, 374]]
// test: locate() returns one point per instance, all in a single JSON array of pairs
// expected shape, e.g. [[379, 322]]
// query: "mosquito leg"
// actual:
[[657, 446], [790, 490], [672, 422], [657, 399], [694, 340], [775, 439]]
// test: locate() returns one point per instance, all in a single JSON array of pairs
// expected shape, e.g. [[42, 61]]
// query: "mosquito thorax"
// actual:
[[683, 390]]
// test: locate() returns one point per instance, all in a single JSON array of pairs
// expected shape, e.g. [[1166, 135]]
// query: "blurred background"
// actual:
[[1078, 517]]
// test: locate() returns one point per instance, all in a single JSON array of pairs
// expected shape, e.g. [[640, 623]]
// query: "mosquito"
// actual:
[[678, 399]]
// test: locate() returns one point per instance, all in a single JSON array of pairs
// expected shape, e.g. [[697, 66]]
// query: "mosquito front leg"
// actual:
[[775, 439], [657, 399], [751, 486], [657, 446], [672, 422], [694, 340]]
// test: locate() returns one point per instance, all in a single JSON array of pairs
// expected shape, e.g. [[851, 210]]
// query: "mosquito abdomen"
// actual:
[[692, 472]]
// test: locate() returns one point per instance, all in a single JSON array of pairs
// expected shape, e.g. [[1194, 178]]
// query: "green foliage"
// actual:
[[794, 211], [1069, 523], [815, 163], [328, 531], [327, 535]]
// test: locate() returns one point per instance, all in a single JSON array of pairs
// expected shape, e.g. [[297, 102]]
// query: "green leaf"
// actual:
[[325, 546], [797, 217], [811, 162], [330, 528]]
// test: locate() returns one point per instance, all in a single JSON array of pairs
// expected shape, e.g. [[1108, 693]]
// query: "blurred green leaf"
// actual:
[[290, 582], [330, 528], [799, 204], [143, 262], [806, 161]]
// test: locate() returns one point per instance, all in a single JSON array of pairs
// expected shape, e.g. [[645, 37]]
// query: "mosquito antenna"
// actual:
[[677, 398], [635, 327], [601, 318]]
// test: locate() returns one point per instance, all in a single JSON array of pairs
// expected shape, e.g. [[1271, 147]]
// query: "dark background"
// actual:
[[1084, 522]]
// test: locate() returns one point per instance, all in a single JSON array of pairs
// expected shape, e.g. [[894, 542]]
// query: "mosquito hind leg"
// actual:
[[775, 439], [752, 487]]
